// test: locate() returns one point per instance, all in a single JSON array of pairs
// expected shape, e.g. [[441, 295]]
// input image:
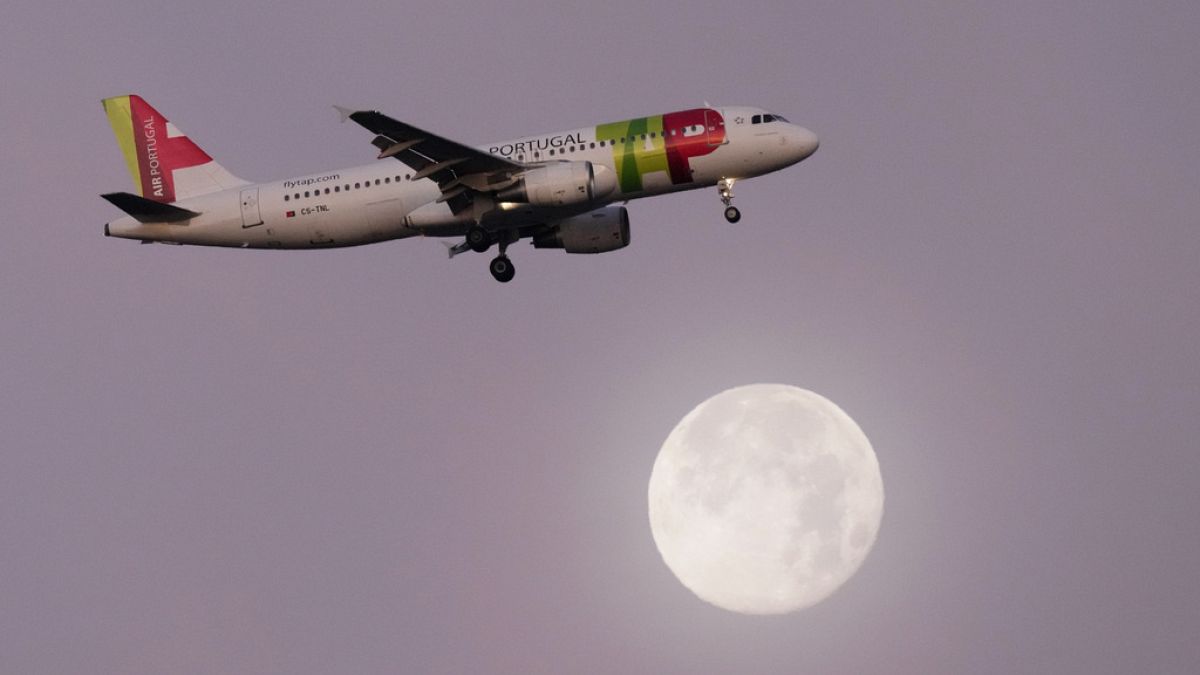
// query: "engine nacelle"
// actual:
[[598, 231], [561, 184]]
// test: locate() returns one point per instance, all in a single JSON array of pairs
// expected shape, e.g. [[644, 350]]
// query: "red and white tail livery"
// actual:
[[165, 164]]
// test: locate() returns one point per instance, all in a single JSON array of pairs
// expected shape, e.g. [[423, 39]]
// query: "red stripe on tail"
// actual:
[[159, 156]]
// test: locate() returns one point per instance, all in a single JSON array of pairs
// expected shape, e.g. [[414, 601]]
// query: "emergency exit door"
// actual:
[[251, 215]]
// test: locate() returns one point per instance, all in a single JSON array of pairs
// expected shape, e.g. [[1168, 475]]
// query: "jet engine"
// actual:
[[561, 184], [598, 231]]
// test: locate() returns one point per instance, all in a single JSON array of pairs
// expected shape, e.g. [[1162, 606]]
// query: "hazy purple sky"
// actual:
[[378, 460]]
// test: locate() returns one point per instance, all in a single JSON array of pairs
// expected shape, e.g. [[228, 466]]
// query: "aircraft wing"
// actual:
[[458, 169]]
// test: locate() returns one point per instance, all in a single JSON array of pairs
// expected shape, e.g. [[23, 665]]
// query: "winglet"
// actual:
[[344, 112]]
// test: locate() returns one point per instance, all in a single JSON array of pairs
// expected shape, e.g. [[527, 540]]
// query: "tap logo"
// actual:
[[662, 143]]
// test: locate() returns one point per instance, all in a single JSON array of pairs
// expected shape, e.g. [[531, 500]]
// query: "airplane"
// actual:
[[560, 190]]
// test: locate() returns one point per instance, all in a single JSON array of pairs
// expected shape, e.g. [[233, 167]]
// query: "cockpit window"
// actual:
[[767, 118]]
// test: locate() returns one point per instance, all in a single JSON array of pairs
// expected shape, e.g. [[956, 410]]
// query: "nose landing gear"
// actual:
[[725, 186]]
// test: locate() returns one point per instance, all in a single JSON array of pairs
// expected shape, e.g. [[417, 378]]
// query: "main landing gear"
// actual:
[[725, 186], [502, 269], [480, 240]]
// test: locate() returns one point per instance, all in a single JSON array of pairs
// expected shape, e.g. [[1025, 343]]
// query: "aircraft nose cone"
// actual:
[[806, 142]]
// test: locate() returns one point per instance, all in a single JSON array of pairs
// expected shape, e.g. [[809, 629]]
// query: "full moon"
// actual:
[[765, 499]]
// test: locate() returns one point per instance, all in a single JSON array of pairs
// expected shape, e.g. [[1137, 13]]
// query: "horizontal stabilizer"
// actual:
[[455, 249], [148, 210]]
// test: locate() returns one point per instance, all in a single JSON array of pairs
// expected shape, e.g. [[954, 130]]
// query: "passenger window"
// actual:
[[552, 152], [285, 198], [306, 194], [326, 190], [337, 188], [593, 145], [357, 185]]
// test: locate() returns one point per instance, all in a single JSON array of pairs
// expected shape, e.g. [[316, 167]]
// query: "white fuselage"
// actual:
[[380, 201]]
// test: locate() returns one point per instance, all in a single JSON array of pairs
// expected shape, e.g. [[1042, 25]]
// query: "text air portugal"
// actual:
[[158, 154]]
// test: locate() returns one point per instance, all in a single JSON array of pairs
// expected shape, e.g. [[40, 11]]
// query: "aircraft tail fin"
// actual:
[[165, 165]]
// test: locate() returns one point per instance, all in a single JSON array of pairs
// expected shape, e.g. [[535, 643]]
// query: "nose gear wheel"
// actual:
[[725, 187]]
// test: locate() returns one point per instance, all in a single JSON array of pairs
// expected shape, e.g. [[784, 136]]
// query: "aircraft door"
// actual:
[[714, 128], [251, 215]]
